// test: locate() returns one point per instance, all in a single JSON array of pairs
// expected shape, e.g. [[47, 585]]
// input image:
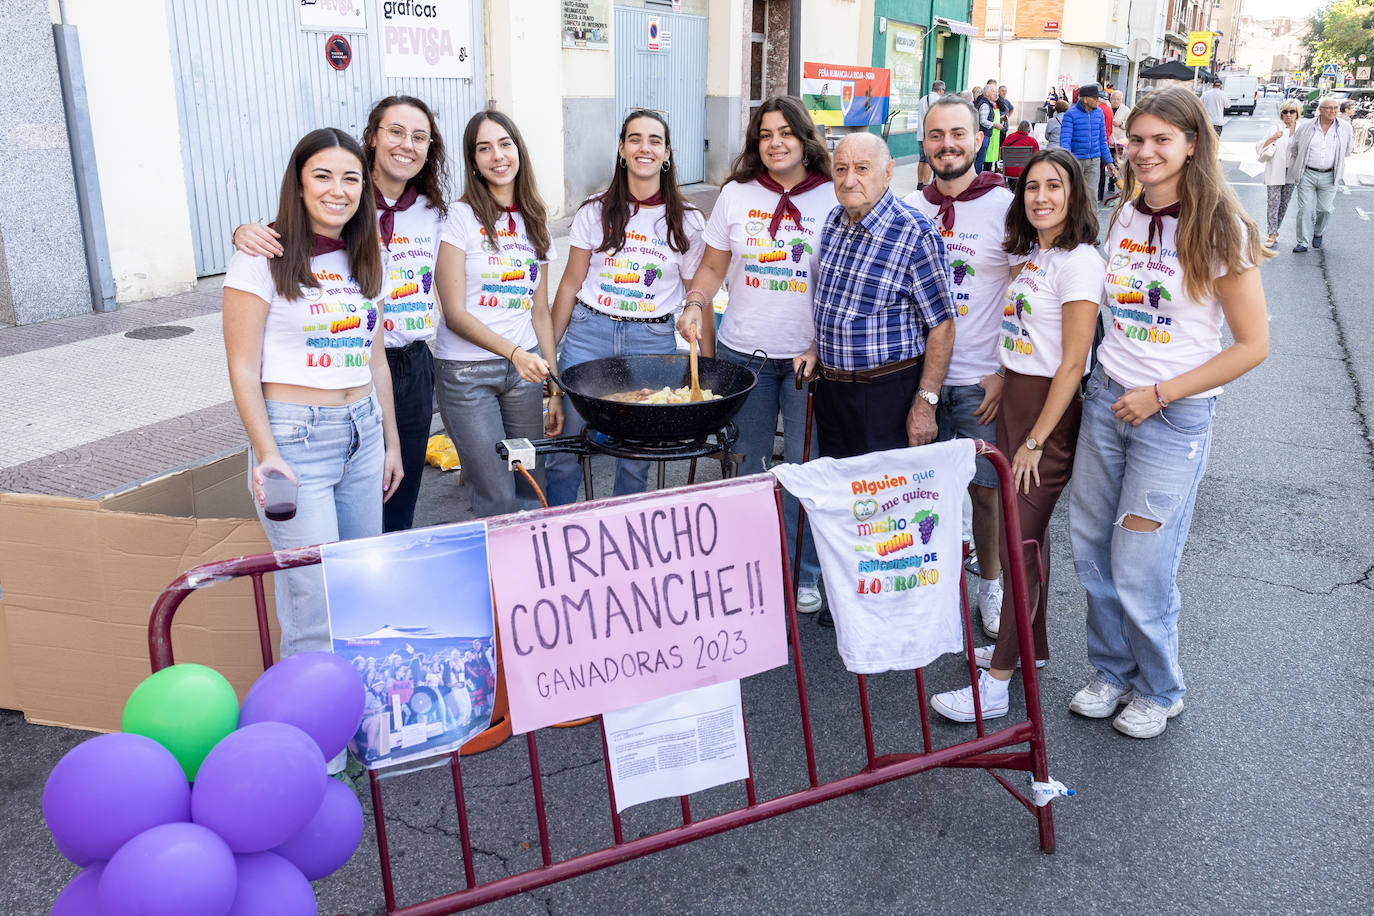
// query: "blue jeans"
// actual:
[[776, 393], [337, 455], [980, 161], [1150, 471], [955, 420], [592, 335], [482, 402]]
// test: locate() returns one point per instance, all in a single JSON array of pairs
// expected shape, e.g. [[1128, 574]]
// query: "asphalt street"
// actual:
[[1256, 799]]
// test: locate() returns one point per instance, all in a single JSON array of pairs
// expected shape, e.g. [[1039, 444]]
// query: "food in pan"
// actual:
[[664, 395]]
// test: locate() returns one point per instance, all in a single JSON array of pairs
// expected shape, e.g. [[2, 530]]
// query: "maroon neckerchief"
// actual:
[[653, 200], [386, 222], [784, 206], [510, 216], [324, 245], [1156, 218], [981, 185]]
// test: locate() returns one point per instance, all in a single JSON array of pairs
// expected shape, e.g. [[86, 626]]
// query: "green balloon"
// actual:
[[186, 709]]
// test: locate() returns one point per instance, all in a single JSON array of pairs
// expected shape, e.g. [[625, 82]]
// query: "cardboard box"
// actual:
[[78, 578]]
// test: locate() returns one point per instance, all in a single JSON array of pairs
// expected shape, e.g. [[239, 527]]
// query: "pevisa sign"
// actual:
[[426, 40]]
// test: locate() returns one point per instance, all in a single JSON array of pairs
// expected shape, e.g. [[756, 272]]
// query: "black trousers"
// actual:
[[855, 418], [412, 389]]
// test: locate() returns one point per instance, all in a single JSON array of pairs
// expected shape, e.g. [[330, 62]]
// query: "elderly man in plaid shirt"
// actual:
[[883, 311]]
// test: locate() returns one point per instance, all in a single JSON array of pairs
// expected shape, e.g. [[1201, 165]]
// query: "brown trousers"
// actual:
[[1023, 397]]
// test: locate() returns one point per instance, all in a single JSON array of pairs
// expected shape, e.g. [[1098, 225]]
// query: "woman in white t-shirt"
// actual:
[[405, 155], [496, 333], [1182, 256], [762, 237], [1048, 317], [310, 380], [630, 251]]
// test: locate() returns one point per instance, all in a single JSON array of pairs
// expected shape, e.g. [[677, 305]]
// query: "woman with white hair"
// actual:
[[1273, 152]]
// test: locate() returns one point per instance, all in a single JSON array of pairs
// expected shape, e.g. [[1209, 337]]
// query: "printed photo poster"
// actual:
[[838, 95], [334, 15], [677, 745], [426, 39], [629, 601], [412, 611], [889, 534], [587, 24]]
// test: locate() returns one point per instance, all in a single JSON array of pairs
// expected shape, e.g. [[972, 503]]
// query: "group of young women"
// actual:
[[1182, 256], [330, 314]]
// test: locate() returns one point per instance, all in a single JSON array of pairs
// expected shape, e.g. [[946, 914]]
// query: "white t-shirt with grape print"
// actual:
[[772, 279], [500, 284], [1158, 331], [644, 278], [1032, 338], [981, 271], [408, 296]]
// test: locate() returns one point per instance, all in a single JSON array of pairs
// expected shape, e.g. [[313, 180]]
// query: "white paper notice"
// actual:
[[677, 745]]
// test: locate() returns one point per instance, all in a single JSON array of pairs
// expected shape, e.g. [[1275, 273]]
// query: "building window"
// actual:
[[906, 59]]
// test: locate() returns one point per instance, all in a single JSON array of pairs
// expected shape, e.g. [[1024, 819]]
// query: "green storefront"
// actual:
[[918, 41]]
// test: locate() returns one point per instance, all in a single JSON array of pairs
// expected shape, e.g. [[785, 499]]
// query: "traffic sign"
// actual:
[[1199, 49], [654, 43], [1329, 70], [338, 52]]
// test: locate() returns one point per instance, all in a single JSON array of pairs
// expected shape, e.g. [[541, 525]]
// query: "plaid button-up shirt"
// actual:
[[881, 284]]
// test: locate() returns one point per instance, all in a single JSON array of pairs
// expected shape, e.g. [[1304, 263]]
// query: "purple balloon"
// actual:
[[109, 789], [259, 786], [332, 836], [172, 870], [271, 886], [318, 692], [81, 895]]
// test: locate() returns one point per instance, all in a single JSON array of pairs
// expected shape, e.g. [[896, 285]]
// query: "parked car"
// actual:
[[1273, 88], [1242, 92]]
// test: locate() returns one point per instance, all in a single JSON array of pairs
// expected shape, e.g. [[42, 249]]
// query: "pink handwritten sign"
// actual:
[[612, 605]]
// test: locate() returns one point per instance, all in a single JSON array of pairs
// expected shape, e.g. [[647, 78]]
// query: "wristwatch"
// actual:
[[1033, 446], [930, 397]]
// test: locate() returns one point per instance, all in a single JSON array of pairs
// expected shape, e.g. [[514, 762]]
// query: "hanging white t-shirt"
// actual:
[[321, 338], [644, 278], [1158, 331], [500, 285], [981, 270], [772, 280], [889, 533], [409, 312], [1033, 307]]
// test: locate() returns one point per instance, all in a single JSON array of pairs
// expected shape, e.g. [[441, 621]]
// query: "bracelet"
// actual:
[[511, 358], [697, 291], [1001, 371], [1159, 397], [699, 303]]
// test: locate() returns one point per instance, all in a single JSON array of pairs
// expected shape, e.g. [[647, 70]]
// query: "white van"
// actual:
[[1242, 92]]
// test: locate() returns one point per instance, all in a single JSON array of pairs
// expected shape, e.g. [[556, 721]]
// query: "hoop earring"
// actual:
[[621, 159], [667, 164]]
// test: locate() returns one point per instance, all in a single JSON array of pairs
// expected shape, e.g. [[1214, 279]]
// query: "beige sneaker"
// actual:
[[1100, 698], [1145, 718]]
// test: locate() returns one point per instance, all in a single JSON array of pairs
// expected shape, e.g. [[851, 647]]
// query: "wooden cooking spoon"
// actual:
[[696, 394]]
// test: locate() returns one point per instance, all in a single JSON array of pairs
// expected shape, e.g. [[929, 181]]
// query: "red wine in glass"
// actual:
[[279, 491]]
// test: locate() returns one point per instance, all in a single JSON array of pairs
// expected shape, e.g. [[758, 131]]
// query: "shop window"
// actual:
[[906, 59]]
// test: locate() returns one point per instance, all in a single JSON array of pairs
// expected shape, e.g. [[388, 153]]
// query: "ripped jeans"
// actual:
[[1150, 471]]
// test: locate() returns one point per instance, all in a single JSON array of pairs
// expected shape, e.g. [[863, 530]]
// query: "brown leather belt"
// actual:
[[865, 376]]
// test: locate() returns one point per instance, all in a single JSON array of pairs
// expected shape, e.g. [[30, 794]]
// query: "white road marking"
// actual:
[[1363, 215]]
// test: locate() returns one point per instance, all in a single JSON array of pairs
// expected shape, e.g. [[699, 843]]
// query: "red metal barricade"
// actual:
[[986, 750]]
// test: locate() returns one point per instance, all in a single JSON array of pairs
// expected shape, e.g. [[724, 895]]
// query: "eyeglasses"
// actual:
[[397, 133]]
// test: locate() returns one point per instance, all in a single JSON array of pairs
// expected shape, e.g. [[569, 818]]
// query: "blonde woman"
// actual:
[[1273, 152]]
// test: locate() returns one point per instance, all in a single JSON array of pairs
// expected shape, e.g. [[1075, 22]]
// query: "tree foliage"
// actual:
[[1341, 32]]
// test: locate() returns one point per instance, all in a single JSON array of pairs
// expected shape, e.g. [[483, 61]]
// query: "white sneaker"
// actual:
[[957, 705], [990, 605], [982, 657], [1100, 698], [1145, 718], [809, 600]]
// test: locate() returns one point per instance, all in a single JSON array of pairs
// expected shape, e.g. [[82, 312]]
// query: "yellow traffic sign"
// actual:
[[1199, 49]]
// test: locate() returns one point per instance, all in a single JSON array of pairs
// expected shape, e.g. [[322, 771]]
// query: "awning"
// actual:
[[957, 27], [1115, 58]]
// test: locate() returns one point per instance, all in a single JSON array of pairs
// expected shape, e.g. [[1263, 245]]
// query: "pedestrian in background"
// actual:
[[937, 89], [1273, 152], [1022, 136], [1183, 258], [1215, 101], [776, 199], [603, 310], [1347, 110], [406, 158], [1055, 125], [496, 343], [1084, 134], [989, 122], [1316, 163], [316, 404]]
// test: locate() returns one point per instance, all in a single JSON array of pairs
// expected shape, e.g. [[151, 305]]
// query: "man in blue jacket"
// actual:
[[1085, 135]]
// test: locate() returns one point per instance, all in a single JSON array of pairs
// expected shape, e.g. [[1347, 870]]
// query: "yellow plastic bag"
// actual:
[[441, 453]]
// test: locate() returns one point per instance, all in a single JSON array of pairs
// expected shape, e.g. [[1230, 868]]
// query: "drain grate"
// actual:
[[159, 332]]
